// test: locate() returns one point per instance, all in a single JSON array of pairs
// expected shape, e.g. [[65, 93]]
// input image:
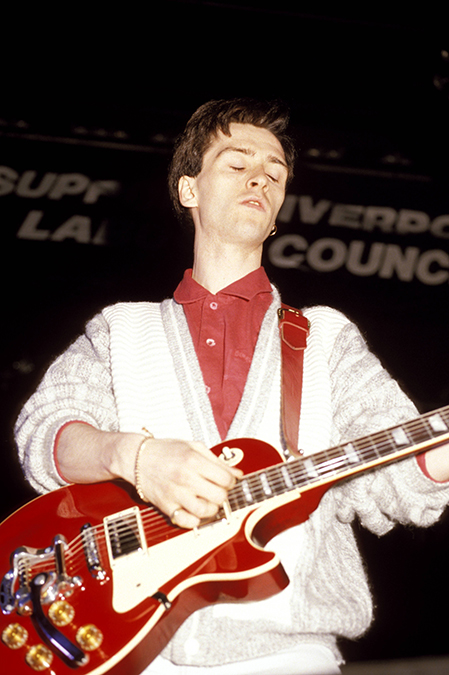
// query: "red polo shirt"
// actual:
[[224, 329]]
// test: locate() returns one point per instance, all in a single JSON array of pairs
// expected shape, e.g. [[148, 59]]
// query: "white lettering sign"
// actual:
[[385, 219], [292, 251], [31, 185]]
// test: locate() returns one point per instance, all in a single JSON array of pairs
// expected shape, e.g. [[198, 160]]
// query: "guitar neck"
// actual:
[[418, 435]]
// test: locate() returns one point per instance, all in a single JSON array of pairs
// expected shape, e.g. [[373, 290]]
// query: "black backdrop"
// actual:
[[88, 120]]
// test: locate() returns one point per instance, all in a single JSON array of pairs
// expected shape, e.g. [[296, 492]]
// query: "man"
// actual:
[[206, 366]]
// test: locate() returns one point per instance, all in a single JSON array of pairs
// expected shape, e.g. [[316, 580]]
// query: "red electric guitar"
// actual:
[[96, 581]]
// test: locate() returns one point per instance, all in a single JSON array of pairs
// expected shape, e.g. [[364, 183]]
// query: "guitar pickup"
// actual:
[[125, 534], [92, 554]]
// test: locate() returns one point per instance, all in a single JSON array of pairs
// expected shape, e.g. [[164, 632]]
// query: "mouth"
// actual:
[[255, 204]]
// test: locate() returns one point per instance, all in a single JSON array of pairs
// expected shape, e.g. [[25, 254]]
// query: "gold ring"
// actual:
[[174, 514]]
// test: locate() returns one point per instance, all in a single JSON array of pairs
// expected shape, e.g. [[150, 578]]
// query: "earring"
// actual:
[[274, 230]]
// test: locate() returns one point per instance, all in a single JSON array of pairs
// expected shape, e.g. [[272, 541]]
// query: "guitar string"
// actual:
[[370, 448], [330, 460], [75, 549], [259, 494], [378, 445]]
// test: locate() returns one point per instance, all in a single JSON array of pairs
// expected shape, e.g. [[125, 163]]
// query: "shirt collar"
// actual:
[[247, 288]]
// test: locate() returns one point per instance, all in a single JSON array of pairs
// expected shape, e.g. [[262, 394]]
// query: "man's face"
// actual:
[[240, 189]]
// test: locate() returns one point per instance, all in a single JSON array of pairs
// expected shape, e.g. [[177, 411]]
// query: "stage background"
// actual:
[[88, 118]]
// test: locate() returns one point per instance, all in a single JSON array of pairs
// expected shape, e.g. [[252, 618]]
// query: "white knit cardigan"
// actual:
[[136, 366]]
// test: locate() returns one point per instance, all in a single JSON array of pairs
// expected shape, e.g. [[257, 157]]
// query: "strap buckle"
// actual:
[[295, 312]]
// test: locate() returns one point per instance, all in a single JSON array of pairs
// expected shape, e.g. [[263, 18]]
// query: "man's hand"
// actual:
[[176, 476], [185, 478], [437, 463]]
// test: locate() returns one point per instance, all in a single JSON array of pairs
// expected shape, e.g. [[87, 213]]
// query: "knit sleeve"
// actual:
[[366, 399], [76, 387]]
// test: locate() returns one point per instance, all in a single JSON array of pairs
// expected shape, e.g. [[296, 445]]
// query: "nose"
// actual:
[[258, 178]]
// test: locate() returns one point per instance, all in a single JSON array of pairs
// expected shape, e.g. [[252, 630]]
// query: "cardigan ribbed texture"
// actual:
[[136, 366]]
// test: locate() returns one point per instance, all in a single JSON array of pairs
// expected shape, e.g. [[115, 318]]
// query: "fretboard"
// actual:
[[423, 433]]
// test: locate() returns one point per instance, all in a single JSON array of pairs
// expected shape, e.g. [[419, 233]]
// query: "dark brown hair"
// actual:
[[216, 116]]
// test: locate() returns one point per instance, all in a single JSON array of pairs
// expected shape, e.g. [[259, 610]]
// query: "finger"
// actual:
[[199, 507], [201, 504], [218, 461], [215, 470], [204, 489], [182, 518], [196, 457]]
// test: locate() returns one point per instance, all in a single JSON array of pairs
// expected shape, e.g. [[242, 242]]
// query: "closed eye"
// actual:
[[274, 179]]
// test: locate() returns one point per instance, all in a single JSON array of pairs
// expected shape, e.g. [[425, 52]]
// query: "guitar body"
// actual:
[[96, 581], [153, 575]]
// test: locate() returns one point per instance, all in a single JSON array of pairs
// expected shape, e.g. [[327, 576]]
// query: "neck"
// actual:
[[217, 269]]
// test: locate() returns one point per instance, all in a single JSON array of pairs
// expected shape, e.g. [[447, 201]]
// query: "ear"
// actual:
[[186, 190]]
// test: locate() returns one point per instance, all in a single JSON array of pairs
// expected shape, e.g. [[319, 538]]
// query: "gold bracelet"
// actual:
[[139, 490]]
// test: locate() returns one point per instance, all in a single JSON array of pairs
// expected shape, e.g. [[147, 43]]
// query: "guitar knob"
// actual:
[[14, 636], [39, 657], [61, 613], [89, 637]]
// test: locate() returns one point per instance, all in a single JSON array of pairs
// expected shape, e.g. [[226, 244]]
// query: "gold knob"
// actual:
[[61, 613], [39, 657], [89, 637], [14, 636]]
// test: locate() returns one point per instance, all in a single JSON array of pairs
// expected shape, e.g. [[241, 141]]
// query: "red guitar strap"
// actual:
[[293, 331]]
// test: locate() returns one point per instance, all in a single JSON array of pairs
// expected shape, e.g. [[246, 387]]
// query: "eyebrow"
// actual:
[[273, 159]]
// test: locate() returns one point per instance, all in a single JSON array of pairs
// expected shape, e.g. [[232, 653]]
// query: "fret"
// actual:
[[255, 488], [298, 474], [419, 431], [351, 453], [323, 466], [246, 492], [390, 446], [309, 466], [240, 496], [444, 413], [400, 437], [368, 449], [266, 485], [330, 462], [437, 424], [281, 479], [286, 476]]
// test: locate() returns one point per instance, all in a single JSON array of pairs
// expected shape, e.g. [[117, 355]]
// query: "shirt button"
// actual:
[[210, 342], [213, 305]]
